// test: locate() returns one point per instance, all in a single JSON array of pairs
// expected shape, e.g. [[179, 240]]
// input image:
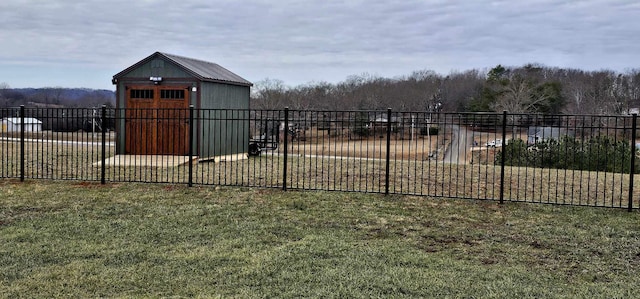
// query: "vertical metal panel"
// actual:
[[157, 68], [225, 132]]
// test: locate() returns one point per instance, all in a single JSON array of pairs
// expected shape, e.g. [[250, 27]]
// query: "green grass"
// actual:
[[62, 239]]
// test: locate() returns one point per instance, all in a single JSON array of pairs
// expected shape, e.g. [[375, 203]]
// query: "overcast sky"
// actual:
[[83, 43]]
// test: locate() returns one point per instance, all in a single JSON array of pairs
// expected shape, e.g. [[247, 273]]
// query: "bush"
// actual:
[[429, 131], [360, 131], [601, 153]]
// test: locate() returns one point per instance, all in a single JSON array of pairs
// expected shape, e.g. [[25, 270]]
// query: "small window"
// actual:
[[141, 93], [172, 94]]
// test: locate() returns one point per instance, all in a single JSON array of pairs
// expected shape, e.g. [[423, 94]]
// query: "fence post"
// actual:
[[286, 148], [103, 123], [634, 122], [191, 126], [502, 154], [22, 128], [388, 157]]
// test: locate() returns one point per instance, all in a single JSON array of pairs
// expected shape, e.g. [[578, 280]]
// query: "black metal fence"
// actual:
[[561, 159]]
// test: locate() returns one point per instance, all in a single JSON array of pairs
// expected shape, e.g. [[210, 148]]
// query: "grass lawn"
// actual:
[[70, 239]]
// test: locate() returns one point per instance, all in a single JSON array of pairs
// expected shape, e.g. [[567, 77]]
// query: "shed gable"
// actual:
[[168, 65], [157, 67]]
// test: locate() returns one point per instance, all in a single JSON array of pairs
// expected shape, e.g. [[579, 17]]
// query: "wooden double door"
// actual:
[[157, 120]]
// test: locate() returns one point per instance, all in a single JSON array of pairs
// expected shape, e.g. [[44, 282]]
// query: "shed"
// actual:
[[13, 124], [156, 93]]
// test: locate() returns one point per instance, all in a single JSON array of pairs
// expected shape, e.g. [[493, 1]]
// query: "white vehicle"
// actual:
[[494, 143]]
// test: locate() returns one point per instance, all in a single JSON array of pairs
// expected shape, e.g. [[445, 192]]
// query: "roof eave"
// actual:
[[248, 84], [136, 65], [186, 69]]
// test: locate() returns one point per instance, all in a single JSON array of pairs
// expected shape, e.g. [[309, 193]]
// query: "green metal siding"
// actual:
[[224, 132], [158, 68], [120, 122]]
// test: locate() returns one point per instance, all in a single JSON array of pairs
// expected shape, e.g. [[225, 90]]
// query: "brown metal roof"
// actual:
[[203, 70]]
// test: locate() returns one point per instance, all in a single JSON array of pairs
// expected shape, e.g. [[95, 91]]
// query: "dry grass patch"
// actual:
[[428, 177]]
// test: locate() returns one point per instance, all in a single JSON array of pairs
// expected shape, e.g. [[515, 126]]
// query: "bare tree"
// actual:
[[269, 94], [520, 96], [458, 89], [591, 93], [626, 91]]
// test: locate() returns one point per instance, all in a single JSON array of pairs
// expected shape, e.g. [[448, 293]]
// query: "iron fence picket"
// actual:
[[190, 140], [103, 145], [634, 147], [502, 154], [22, 144], [286, 148]]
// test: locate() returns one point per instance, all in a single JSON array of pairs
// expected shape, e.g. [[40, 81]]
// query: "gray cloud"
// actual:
[[300, 41]]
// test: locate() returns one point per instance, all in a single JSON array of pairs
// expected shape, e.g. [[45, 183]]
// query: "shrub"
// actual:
[[600, 153], [360, 131], [429, 131]]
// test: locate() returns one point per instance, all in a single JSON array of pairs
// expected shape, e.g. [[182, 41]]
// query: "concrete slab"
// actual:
[[146, 161]]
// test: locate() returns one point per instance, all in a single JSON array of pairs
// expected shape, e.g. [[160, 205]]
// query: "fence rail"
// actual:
[[585, 160]]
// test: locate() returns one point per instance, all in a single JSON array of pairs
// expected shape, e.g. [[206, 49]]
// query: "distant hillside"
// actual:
[[56, 97]]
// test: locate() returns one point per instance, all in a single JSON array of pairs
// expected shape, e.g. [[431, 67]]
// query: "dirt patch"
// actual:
[[421, 148]]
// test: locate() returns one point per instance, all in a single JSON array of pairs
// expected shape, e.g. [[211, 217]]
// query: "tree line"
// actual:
[[54, 97], [531, 88]]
